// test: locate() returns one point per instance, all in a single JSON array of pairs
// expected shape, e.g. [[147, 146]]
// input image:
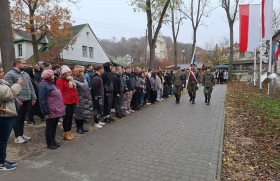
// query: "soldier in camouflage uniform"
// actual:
[[193, 83], [184, 77], [208, 81], [178, 85]]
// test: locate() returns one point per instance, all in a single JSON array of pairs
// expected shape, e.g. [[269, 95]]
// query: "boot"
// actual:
[[193, 100], [190, 99], [71, 135], [206, 98], [177, 100], [208, 101], [67, 136], [80, 131], [79, 124]]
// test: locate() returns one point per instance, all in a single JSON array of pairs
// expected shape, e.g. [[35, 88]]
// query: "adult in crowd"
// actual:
[[38, 70], [148, 88], [82, 111], [52, 106], [178, 82], [108, 92], [56, 72], [193, 83], [158, 87], [8, 115], [153, 87], [26, 97], [33, 109], [136, 85], [118, 85], [70, 98], [129, 90], [143, 89], [97, 94], [88, 74], [168, 83], [221, 76], [225, 76], [208, 81]]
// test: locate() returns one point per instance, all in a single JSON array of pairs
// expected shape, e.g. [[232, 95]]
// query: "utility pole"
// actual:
[[6, 36]]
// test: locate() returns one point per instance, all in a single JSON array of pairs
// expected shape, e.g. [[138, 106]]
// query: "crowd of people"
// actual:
[[81, 94], [221, 76]]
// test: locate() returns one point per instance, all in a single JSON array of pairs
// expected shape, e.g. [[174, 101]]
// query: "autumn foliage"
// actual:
[[252, 135], [42, 18]]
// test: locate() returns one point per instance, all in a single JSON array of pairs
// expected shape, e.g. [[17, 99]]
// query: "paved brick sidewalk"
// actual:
[[164, 142]]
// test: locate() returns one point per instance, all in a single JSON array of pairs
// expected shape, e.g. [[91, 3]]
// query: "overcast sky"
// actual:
[[115, 18]]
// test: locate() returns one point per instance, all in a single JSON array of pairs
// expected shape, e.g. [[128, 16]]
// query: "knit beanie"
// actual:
[[64, 69], [47, 74]]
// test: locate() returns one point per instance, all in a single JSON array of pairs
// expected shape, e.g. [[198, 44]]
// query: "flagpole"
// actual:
[[270, 54], [193, 55], [255, 66]]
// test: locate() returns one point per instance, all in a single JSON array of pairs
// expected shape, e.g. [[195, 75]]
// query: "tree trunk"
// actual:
[[230, 67], [175, 53], [35, 48], [194, 42], [152, 55], [6, 36]]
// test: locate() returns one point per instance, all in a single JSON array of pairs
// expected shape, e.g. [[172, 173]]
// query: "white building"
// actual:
[[84, 50], [161, 48]]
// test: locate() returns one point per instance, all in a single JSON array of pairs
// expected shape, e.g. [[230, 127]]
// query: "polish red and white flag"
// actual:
[[267, 13], [249, 30]]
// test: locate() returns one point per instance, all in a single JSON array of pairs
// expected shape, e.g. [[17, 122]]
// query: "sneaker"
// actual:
[[127, 112], [26, 138], [97, 125], [101, 123], [161, 99], [132, 111], [148, 103], [19, 140], [6, 167], [11, 163], [158, 100]]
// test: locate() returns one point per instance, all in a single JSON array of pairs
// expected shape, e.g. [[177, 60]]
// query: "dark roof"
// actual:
[[26, 36]]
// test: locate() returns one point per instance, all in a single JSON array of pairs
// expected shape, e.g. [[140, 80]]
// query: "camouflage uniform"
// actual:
[[184, 77], [208, 81], [192, 86], [178, 85]]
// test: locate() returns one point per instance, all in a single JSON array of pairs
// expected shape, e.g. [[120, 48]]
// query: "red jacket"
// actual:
[[69, 95]]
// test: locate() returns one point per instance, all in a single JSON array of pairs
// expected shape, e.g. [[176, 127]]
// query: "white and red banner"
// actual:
[[267, 13], [249, 27]]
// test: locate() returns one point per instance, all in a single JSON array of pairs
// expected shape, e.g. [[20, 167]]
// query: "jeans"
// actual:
[[6, 125], [67, 120], [19, 123], [50, 132], [141, 98]]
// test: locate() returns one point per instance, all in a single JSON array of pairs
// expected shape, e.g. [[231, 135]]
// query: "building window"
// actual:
[[19, 50], [90, 49], [84, 51]]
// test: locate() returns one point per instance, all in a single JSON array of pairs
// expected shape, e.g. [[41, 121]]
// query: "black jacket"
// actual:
[[127, 80], [107, 78], [97, 88], [118, 84]]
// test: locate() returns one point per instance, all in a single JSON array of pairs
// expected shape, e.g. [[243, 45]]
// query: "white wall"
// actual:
[[85, 38], [27, 49]]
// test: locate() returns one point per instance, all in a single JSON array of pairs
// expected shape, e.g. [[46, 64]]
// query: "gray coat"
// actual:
[[27, 92], [83, 111]]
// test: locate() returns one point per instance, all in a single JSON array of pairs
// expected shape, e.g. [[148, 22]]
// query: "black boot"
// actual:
[[177, 100], [52, 147], [206, 99], [193, 102], [191, 99], [82, 126], [79, 127]]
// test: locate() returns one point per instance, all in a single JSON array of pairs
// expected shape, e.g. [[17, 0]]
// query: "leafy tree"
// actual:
[[6, 36], [41, 18], [156, 11]]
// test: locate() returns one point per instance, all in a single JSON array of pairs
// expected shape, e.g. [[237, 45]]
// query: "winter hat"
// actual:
[[64, 69], [47, 74]]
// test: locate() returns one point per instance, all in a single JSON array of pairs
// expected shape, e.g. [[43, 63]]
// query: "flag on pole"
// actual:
[[267, 10], [249, 27], [276, 54], [194, 60]]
